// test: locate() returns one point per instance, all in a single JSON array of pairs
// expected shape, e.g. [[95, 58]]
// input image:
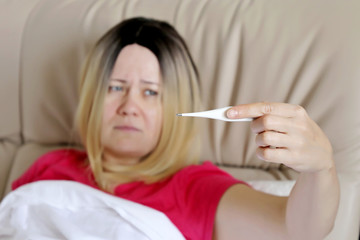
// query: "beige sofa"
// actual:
[[303, 52]]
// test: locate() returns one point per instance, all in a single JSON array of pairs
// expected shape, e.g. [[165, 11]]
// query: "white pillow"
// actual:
[[279, 188], [70, 210]]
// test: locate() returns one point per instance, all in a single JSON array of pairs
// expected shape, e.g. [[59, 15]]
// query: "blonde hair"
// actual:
[[179, 141]]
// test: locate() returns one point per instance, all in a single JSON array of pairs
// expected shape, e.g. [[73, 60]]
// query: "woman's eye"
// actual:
[[115, 88], [150, 93]]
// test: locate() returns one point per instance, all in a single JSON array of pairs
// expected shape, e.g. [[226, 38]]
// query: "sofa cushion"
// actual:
[[12, 27], [7, 154]]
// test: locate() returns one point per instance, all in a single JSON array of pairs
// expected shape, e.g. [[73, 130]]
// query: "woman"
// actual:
[[137, 77]]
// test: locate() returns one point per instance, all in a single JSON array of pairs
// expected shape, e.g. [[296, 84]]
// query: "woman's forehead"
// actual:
[[137, 62]]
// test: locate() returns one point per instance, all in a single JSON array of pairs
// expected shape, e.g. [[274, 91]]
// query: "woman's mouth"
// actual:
[[127, 128]]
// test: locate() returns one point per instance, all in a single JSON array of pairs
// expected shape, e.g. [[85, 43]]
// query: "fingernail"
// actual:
[[231, 113]]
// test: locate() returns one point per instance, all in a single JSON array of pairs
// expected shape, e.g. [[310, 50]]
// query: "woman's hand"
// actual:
[[286, 134]]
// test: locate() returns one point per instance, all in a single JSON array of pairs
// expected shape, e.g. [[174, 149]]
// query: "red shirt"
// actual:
[[189, 198]]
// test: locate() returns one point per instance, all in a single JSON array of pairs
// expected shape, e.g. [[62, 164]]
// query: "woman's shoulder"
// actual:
[[67, 156], [49, 165], [62, 154]]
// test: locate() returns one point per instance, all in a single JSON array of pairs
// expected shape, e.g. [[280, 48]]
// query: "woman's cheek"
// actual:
[[155, 117]]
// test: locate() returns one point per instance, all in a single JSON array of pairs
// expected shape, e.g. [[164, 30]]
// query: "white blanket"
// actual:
[[70, 210]]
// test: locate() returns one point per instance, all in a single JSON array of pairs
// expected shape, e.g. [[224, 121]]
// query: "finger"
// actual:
[[271, 123], [274, 155], [254, 110], [280, 156], [273, 139]]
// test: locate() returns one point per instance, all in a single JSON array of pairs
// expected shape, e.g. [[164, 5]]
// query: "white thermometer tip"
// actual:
[[219, 114]]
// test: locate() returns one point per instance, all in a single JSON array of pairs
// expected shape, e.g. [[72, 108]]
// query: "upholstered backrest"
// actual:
[[13, 20], [245, 50]]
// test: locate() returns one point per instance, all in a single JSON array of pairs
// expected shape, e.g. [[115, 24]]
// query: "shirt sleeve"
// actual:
[[204, 187]]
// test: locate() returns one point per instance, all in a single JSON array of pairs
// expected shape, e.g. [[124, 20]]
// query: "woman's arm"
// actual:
[[285, 134], [313, 204]]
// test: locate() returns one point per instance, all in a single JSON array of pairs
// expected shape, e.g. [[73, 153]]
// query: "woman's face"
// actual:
[[132, 118]]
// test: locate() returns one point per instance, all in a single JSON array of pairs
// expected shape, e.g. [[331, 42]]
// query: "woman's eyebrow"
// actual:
[[149, 82], [141, 80], [118, 80]]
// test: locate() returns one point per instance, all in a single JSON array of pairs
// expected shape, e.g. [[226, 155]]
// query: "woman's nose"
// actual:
[[130, 105]]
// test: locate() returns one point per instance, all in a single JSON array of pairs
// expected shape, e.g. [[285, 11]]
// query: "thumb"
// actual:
[[243, 111]]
